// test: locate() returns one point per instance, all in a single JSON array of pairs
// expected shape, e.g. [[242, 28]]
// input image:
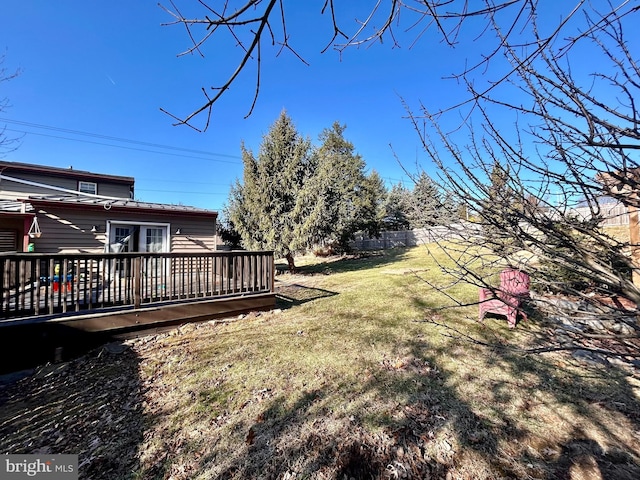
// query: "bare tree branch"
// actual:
[[574, 142], [263, 21], [247, 23]]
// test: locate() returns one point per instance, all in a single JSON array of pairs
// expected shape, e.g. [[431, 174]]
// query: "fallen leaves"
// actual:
[[89, 406], [409, 364]]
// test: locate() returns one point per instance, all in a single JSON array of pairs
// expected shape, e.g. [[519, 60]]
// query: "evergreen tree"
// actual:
[[396, 208], [429, 206], [293, 197], [501, 207], [264, 206], [228, 233], [370, 206], [334, 207]]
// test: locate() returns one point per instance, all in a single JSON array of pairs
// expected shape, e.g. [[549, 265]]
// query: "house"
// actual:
[[75, 267], [61, 210]]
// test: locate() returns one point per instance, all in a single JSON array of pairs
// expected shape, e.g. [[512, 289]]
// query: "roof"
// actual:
[[123, 204], [14, 167]]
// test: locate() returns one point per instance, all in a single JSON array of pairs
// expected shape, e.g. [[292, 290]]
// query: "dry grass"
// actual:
[[353, 379]]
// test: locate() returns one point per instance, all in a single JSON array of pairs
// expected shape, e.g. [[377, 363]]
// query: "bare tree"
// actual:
[[575, 139], [257, 25]]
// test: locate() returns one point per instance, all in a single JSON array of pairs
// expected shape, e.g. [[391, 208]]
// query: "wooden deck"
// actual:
[[50, 303]]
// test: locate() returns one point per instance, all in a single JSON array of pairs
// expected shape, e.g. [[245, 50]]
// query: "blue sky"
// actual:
[[106, 68]]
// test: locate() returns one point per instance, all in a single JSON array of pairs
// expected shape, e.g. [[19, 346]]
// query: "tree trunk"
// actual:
[[290, 262]]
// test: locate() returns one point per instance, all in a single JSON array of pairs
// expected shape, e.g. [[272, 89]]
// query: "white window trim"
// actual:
[[94, 186], [110, 223]]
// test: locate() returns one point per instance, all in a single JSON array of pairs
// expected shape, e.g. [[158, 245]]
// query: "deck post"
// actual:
[[273, 272], [3, 270], [137, 281], [51, 295]]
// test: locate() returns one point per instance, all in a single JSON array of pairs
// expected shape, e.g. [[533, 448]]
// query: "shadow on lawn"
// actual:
[[352, 263], [293, 294], [436, 432], [90, 406], [513, 404], [587, 392], [276, 445], [306, 439], [296, 441]]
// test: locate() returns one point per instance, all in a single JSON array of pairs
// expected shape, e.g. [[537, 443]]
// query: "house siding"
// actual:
[[66, 220], [195, 234], [113, 190], [69, 230], [10, 190]]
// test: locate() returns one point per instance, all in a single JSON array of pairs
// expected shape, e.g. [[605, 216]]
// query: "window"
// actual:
[[155, 239], [88, 187], [123, 239]]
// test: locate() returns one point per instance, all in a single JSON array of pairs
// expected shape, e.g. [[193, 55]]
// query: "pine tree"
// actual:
[[293, 197], [263, 208], [370, 206], [333, 206], [502, 209], [429, 205], [396, 208]]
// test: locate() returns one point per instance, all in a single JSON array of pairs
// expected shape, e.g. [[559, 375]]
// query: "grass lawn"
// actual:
[[354, 377]]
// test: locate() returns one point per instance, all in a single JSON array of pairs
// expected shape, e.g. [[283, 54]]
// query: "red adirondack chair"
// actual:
[[507, 300]]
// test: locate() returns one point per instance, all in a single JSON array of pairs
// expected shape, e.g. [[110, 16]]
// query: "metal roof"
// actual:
[[109, 203]]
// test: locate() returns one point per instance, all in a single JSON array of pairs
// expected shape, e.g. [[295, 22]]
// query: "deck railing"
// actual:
[[34, 284]]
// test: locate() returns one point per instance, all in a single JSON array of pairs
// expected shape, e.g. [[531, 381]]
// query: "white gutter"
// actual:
[[59, 189]]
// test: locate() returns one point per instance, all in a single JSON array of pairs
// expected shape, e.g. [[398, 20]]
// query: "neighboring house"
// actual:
[[57, 210], [612, 211]]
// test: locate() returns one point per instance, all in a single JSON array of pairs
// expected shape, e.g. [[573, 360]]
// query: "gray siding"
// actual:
[[113, 190], [13, 190], [69, 230], [196, 234]]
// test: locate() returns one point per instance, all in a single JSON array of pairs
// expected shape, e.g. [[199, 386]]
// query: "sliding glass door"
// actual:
[[138, 237]]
